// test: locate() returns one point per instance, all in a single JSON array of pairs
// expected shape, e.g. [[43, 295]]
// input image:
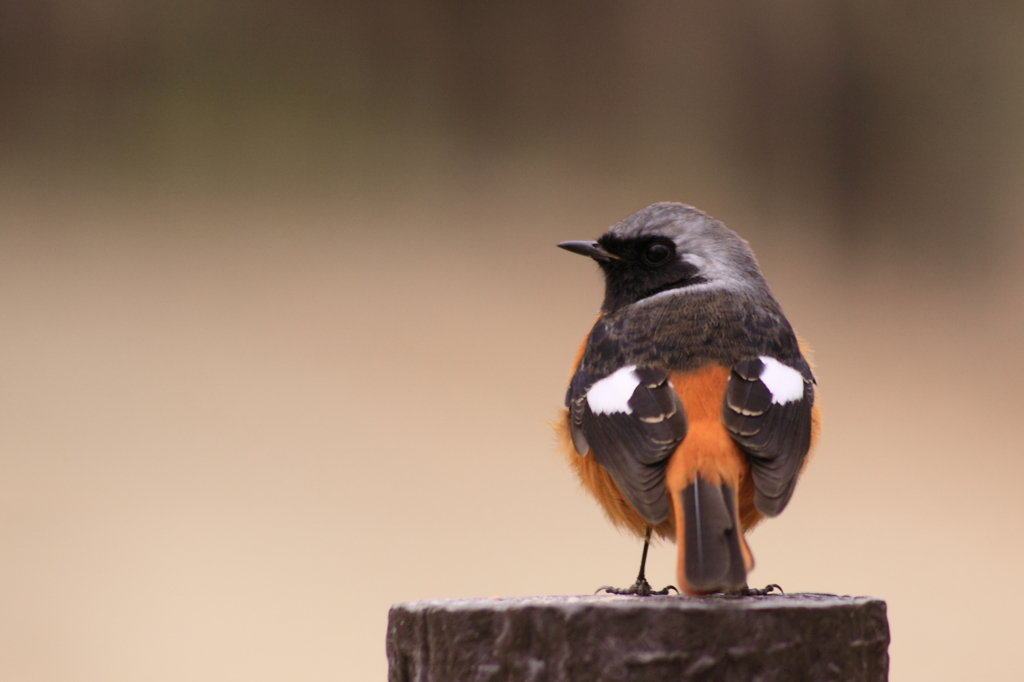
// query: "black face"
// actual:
[[644, 267]]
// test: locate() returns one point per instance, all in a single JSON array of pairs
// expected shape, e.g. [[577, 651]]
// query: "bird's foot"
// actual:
[[641, 588], [754, 592]]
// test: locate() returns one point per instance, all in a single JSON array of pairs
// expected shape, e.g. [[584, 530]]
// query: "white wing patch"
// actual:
[[785, 383], [612, 394]]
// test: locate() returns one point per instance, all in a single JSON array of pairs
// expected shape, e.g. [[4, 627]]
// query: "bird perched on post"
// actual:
[[691, 407]]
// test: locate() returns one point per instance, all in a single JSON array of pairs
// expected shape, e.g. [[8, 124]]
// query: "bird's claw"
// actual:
[[754, 592], [641, 588]]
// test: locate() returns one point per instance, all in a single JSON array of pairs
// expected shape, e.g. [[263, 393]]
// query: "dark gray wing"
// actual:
[[632, 421], [767, 409]]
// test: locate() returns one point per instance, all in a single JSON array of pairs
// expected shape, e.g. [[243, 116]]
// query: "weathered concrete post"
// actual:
[[606, 638]]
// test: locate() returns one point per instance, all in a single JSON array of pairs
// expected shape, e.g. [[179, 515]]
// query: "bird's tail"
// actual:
[[713, 555], [704, 477]]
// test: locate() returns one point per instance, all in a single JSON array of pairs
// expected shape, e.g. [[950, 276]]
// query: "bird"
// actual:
[[691, 406]]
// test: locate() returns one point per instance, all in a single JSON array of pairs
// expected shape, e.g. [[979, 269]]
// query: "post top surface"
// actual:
[[799, 600]]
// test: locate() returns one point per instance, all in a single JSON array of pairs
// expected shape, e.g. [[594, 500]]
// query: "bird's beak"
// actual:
[[592, 249]]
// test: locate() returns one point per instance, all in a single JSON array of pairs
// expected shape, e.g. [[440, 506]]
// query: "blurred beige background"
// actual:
[[282, 322]]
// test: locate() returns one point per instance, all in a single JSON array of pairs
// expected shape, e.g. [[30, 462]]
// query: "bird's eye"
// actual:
[[657, 253]]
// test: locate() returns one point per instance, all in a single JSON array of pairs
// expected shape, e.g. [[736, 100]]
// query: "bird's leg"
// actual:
[[641, 587]]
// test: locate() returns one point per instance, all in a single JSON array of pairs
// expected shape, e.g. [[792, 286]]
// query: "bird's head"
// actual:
[[668, 247]]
